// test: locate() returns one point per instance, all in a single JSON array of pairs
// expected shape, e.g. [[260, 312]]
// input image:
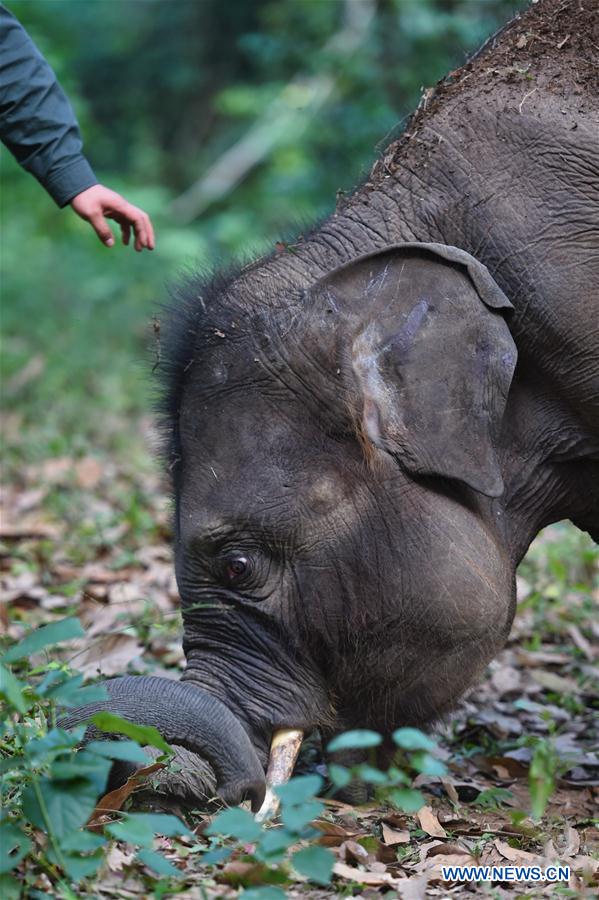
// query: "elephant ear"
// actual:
[[433, 358]]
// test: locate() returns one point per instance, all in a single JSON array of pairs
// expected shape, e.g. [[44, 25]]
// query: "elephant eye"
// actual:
[[236, 568]]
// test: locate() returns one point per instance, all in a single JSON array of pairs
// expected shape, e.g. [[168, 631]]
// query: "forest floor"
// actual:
[[90, 537]]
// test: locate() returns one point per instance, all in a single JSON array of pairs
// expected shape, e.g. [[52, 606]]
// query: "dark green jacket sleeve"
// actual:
[[37, 122]]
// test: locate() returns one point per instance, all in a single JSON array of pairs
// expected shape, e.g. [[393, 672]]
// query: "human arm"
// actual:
[[38, 126], [37, 122]]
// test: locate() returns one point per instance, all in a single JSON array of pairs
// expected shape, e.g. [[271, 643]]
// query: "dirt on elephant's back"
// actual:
[[544, 62], [553, 48]]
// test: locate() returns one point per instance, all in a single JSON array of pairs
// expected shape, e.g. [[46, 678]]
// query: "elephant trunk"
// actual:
[[189, 717]]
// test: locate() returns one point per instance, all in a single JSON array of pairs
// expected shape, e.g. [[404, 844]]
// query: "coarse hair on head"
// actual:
[[193, 315], [204, 308]]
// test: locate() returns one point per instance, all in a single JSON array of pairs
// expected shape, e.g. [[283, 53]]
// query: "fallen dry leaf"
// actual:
[[434, 867], [397, 820], [506, 768], [391, 836], [99, 574], [51, 471], [446, 850], [513, 854], [506, 679], [32, 370], [113, 801], [334, 835], [117, 859], [569, 842], [32, 529], [238, 872], [352, 851], [349, 873], [540, 658], [557, 683], [88, 472], [424, 849], [581, 642], [109, 654], [585, 864], [429, 822], [414, 888], [450, 789]]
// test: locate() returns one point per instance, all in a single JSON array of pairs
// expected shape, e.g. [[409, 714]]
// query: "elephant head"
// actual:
[[336, 454]]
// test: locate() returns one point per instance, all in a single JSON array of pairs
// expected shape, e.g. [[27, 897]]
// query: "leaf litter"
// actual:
[[88, 537]]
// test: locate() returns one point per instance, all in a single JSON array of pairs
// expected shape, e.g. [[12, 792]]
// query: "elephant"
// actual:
[[367, 428]]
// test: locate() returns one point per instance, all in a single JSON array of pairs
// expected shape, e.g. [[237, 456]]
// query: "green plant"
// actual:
[[50, 787], [413, 757], [545, 767], [494, 798], [270, 846]]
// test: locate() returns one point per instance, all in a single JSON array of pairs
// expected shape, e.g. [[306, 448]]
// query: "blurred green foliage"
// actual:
[[164, 88]]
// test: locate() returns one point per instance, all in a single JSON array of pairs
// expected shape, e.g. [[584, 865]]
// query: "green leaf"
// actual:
[[12, 690], [214, 857], [76, 866], [370, 843], [296, 816], [68, 804], [298, 789], [541, 777], [10, 888], [55, 633], [83, 765], [143, 734], [14, 846], [273, 844], [72, 693], [359, 739], [370, 775], [316, 863], [263, 893], [397, 776], [406, 799], [339, 775], [164, 823], [238, 823], [427, 764], [126, 750], [494, 798], [52, 677], [413, 739], [54, 743], [82, 842], [158, 864], [140, 828], [133, 831]]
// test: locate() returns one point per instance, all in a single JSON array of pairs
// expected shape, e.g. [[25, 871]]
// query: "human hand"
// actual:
[[98, 202]]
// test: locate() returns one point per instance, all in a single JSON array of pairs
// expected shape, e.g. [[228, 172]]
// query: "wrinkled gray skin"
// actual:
[[348, 420]]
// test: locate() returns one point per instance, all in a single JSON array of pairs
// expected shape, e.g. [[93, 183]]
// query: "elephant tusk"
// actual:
[[284, 749]]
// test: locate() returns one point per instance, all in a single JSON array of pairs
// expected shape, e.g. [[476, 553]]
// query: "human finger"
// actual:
[[102, 229], [142, 237], [150, 233], [125, 231]]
